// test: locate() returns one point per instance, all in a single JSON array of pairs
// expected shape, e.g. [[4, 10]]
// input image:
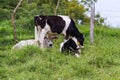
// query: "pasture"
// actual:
[[100, 61]]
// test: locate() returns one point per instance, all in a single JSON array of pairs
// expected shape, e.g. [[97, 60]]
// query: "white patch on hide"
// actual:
[[75, 40], [61, 45], [67, 23]]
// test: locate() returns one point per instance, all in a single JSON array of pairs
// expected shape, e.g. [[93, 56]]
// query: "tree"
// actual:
[[87, 3], [58, 2], [99, 20], [75, 10], [13, 20]]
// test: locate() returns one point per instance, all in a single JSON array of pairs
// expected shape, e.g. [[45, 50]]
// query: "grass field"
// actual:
[[100, 61]]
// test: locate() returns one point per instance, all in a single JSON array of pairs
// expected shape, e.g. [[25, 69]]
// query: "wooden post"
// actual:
[[92, 23], [58, 2], [13, 20]]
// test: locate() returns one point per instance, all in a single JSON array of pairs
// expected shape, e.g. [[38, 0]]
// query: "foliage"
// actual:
[[88, 2], [4, 14], [29, 8], [99, 20], [75, 10]]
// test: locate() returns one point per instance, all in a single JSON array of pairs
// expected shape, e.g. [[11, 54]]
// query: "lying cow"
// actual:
[[56, 24], [24, 43], [70, 46], [47, 43]]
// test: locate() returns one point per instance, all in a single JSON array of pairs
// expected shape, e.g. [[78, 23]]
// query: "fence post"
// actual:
[[92, 23]]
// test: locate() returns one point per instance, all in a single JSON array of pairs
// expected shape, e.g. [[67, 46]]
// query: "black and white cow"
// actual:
[[56, 24], [70, 46]]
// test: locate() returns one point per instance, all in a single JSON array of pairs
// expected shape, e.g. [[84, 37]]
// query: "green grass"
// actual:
[[100, 61]]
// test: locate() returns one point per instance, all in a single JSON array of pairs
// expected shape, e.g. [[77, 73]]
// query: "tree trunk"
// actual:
[[14, 28], [29, 1], [58, 2], [13, 20], [92, 23]]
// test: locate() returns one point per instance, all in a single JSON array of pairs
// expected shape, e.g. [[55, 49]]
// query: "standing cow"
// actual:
[[56, 24]]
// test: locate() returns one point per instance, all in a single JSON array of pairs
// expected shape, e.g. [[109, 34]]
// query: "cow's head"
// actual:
[[48, 41]]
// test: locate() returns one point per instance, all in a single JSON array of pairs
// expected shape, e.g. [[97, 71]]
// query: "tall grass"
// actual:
[[100, 61]]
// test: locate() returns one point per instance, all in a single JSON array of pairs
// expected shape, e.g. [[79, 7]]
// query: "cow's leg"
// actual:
[[37, 34], [41, 38], [77, 53], [66, 38], [43, 34]]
